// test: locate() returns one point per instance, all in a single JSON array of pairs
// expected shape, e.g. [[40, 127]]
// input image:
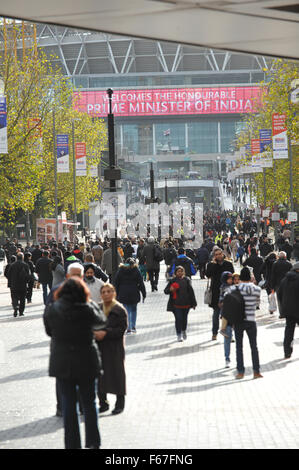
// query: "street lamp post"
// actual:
[[55, 177], [166, 191], [74, 178], [112, 179]]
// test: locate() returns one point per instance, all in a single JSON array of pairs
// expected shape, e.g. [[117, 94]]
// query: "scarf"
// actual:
[[176, 286], [107, 309]]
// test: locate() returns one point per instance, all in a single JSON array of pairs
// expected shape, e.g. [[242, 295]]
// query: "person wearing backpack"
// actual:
[[183, 260], [251, 296]]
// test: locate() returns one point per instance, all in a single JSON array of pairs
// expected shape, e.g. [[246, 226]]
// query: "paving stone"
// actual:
[[180, 396]]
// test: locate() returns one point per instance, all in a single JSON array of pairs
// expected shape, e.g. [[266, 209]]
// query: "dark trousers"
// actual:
[[58, 398], [215, 321], [251, 330], [289, 335], [18, 298], [202, 270], [45, 290], [120, 399], [153, 275], [29, 290], [87, 390], [181, 318]]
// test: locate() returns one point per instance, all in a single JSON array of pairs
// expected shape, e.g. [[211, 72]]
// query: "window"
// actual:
[[170, 138], [203, 137], [138, 138], [228, 135]]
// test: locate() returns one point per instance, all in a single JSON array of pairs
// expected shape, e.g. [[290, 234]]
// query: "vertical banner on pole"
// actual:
[[3, 125], [280, 137], [62, 146], [80, 158], [265, 139]]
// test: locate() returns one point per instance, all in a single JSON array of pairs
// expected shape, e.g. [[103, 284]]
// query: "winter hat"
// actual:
[[151, 240], [224, 276]]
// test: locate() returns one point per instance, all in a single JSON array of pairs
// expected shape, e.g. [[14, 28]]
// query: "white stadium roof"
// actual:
[[264, 27]]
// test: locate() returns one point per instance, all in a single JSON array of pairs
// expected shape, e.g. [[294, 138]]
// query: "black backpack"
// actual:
[[233, 308], [158, 254]]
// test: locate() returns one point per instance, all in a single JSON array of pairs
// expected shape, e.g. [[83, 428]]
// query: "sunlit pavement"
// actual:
[[180, 396]]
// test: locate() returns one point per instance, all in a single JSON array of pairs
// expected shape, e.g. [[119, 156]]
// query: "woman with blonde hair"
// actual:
[[111, 345]]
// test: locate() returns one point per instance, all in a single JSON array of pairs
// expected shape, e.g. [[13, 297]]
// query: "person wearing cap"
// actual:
[[288, 298], [129, 284], [93, 283]]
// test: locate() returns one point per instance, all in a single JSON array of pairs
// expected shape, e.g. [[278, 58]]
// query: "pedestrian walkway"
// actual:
[[180, 396]]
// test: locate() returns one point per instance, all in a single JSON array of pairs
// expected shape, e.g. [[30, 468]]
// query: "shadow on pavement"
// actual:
[[26, 375], [181, 350], [27, 316], [21, 347], [33, 429]]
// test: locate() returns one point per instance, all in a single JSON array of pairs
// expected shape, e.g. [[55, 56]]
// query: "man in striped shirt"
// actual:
[[251, 294]]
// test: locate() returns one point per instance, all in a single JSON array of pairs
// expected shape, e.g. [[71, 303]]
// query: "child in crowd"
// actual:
[[236, 279]]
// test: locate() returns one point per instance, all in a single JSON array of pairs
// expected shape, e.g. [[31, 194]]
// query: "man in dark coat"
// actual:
[[18, 276], [288, 298], [128, 284], [279, 270], [44, 272], [254, 261], [36, 254], [152, 264], [288, 249], [214, 270], [202, 257], [265, 248]]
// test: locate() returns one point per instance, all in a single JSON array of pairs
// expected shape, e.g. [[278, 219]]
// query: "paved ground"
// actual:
[[180, 396]]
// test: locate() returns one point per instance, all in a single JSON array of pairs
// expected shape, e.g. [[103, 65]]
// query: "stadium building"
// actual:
[[177, 107]]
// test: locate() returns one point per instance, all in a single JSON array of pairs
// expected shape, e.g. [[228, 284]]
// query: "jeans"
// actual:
[[251, 330], [87, 390], [132, 315], [227, 342], [215, 320], [289, 335], [45, 290], [181, 318]]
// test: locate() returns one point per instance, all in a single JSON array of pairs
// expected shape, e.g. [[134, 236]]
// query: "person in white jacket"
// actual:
[[94, 284]]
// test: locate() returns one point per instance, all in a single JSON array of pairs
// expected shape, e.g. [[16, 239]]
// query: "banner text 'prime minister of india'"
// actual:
[[170, 101]]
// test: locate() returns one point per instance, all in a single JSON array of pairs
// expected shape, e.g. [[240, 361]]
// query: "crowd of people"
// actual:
[[88, 309]]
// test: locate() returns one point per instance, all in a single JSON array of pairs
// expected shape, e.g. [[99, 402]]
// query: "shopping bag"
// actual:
[[208, 294], [272, 303]]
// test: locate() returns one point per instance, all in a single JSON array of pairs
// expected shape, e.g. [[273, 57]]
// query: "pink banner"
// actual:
[[178, 101]]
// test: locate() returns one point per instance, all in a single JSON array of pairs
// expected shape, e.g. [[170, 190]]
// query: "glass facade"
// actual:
[[137, 138], [176, 79], [203, 137], [177, 136]]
